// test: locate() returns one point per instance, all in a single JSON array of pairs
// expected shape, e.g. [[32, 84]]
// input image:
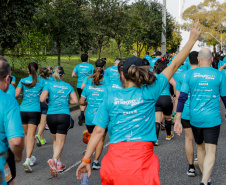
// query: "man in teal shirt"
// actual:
[[11, 130], [82, 70], [158, 55]]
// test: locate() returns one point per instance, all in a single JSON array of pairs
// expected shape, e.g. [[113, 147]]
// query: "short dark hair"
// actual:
[[147, 53], [158, 53], [100, 63], [193, 57], [84, 57], [5, 68]]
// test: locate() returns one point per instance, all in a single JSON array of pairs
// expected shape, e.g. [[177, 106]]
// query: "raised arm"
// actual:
[[182, 55]]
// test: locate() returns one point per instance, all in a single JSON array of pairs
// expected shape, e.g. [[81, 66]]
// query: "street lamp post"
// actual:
[[221, 43]]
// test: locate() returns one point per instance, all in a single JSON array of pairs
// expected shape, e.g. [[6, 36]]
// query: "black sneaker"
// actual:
[[202, 183], [191, 172], [209, 183], [96, 166], [80, 120], [83, 119]]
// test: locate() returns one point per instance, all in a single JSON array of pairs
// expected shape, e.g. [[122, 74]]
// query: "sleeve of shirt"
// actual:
[[185, 84], [20, 84], [84, 92], [13, 123], [75, 70], [102, 117], [14, 79], [156, 89], [46, 87], [223, 85], [71, 89]]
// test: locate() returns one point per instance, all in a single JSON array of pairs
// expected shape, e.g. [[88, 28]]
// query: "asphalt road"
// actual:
[[172, 160]]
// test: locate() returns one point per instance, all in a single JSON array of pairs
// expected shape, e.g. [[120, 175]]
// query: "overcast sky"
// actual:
[[172, 7]]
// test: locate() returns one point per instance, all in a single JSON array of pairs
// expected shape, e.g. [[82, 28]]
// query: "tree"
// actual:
[[14, 16], [60, 18], [213, 24]]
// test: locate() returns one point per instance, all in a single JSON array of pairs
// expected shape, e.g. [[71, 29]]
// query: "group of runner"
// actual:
[[129, 101]]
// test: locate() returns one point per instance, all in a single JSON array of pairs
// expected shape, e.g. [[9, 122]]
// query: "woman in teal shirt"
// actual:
[[93, 93], [30, 110], [129, 115], [58, 115]]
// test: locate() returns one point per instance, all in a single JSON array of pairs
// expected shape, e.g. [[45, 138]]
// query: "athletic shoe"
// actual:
[[26, 166], [209, 183], [157, 143], [80, 120], [169, 137], [46, 127], [202, 183], [43, 142], [96, 166], [191, 172], [85, 138], [53, 167], [196, 164], [38, 140], [32, 160], [61, 168]]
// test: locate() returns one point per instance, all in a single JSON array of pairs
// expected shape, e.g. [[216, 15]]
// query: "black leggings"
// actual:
[[59, 123], [168, 127]]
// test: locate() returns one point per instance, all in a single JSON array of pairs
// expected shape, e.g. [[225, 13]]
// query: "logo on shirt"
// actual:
[[133, 102], [203, 84], [212, 77], [131, 112]]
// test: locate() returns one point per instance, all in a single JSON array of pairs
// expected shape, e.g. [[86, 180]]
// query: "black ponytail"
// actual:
[[33, 68]]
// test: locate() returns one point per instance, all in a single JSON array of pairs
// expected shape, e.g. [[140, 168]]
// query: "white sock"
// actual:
[[59, 163], [55, 161], [28, 159], [209, 180], [95, 161]]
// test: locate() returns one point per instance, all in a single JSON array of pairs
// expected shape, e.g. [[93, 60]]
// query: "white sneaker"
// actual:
[[32, 160], [27, 167]]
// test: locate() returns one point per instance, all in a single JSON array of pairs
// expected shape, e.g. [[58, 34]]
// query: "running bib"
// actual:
[[8, 175]]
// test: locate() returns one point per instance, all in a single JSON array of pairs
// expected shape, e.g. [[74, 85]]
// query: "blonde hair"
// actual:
[[97, 76], [57, 72], [44, 72]]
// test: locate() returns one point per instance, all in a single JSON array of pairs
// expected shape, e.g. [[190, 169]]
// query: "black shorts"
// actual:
[[164, 104], [12, 165], [91, 127], [207, 135], [59, 123], [79, 90], [31, 117], [185, 123], [44, 108]]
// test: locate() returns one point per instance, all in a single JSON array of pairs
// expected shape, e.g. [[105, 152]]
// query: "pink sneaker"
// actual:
[[61, 168], [53, 167]]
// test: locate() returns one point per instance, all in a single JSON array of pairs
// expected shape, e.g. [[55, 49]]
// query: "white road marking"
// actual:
[[78, 162]]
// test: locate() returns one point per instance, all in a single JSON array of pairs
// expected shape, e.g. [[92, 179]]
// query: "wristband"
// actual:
[[86, 160]]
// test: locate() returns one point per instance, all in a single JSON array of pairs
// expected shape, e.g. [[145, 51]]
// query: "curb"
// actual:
[[74, 107]]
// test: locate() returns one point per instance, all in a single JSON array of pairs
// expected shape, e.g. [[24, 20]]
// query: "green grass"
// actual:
[[20, 69]]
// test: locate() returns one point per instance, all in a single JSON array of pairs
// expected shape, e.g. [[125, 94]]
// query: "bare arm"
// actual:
[[182, 55], [18, 91], [97, 134], [17, 146], [222, 67], [74, 99], [73, 75], [13, 83], [83, 86], [82, 101], [44, 96]]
